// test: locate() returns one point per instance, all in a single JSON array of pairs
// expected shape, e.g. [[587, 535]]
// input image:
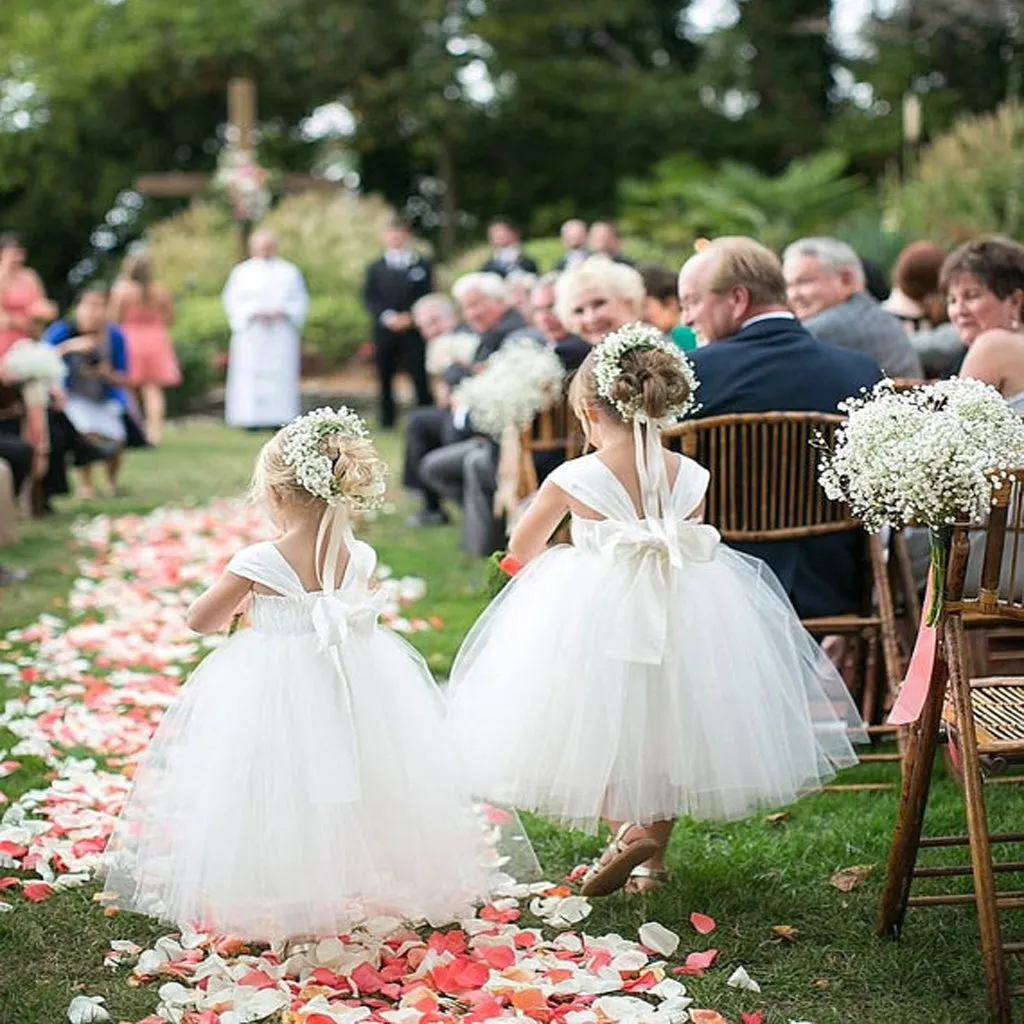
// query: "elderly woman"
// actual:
[[984, 286], [97, 404], [598, 296]]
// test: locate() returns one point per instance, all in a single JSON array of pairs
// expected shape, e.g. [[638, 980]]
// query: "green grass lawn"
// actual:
[[750, 876]]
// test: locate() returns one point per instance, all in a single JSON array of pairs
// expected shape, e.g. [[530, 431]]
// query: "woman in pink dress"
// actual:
[[145, 311], [21, 292]]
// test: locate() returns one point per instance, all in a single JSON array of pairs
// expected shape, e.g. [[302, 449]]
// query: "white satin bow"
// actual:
[[338, 616]]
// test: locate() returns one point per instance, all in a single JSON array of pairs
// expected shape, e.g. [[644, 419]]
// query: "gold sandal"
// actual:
[[608, 875], [654, 877]]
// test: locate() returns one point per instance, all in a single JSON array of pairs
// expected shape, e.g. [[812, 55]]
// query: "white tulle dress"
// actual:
[[301, 782], [646, 671]]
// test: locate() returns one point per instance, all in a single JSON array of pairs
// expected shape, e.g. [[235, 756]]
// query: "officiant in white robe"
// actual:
[[266, 301]]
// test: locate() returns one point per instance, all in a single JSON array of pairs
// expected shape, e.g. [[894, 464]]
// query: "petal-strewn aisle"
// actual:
[[89, 691]]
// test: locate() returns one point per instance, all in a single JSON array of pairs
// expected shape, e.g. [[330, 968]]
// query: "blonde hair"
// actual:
[[618, 279], [138, 267], [357, 470], [740, 262], [650, 379]]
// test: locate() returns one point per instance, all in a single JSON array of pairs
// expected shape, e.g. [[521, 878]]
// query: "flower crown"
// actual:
[[303, 447], [608, 367]]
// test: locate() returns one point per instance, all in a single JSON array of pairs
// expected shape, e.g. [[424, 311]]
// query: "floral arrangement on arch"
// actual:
[[517, 382], [243, 184], [924, 457]]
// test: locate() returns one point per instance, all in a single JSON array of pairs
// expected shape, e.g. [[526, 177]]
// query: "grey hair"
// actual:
[[829, 252], [435, 300], [491, 285], [598, 272]]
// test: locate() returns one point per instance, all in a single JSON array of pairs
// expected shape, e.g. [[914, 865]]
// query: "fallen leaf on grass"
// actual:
[[850, 878], [822, 983], [786, 932], [702, 923], [743, 981], [777, 819]]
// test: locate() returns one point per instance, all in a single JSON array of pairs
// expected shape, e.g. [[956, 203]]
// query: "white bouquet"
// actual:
[[517, 382], [451, 347], [36, 365], [923, 457]]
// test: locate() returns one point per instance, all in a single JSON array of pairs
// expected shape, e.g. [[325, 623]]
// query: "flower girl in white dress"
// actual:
[[646, 671], [301, 782]]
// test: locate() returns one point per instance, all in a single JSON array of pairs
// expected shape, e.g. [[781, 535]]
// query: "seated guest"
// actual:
[[97, 404], [507, 254], [760, 359], [918, 303], [480, 465], [520, 283], [604, 241], [574, 239], [825, 286], [661, 305], [597, 297], [485, 307], [448, 342]]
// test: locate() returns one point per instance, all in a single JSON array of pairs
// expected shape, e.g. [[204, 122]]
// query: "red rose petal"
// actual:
[[702, 923]]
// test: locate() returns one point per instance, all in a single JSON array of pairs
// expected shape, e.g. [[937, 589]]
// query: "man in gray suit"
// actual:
[[825, 288]]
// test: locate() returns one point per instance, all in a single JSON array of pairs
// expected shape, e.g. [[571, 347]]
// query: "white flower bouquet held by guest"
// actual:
[[645, 671], [36, 365], [518, 381], [303, 781], [921, 457]]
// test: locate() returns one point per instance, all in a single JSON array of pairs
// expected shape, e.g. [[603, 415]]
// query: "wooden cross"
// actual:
[[241, 128]]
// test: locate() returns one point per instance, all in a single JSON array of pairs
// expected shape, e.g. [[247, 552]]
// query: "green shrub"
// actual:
[[970, 181]]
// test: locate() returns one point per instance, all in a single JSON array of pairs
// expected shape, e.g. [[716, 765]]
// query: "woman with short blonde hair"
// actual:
[[598, 296]]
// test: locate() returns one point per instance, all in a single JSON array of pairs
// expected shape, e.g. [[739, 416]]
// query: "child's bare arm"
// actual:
[[213, 610], [541, 520]]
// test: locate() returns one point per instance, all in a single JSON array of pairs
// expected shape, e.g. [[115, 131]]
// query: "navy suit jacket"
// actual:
[[776, 365]]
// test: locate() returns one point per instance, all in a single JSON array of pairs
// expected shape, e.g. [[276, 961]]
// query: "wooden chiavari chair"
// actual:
[[985, 720]]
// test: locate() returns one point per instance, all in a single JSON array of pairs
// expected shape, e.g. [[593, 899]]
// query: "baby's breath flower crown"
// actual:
[[608, 368], [306, 446]]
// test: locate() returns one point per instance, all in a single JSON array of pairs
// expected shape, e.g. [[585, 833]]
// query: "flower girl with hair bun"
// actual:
[[646, 671], [301, 782]]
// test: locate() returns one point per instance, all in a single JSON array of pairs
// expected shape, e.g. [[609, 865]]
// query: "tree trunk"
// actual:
[[449, 206]]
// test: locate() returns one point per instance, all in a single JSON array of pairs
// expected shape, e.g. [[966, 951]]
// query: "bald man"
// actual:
[[265, 300], [758, 358]]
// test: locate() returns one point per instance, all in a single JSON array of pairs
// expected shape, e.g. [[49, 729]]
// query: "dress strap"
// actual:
[[264, 564], [593, 484]]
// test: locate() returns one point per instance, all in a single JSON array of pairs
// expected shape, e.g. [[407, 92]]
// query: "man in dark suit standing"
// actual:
[[758, 358], [393, 284], [507, 255]]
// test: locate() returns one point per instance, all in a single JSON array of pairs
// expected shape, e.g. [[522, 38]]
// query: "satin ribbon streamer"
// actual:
[[650, 549], [914, 692]]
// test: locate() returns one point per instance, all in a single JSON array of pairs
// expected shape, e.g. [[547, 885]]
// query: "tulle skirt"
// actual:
[[743, 711], [276, 800]]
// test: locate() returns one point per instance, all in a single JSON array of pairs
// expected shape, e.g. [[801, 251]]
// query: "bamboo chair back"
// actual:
[[1001, 590], [553, 429], [764, 474]]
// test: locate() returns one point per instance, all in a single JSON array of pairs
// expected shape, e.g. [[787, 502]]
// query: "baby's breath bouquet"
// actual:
[[923, 457], [518, 381]]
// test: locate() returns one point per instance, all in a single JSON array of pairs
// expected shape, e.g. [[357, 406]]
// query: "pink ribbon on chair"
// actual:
[[914, 692]]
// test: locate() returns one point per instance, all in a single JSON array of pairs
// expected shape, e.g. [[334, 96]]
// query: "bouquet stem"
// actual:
[[938, 546]]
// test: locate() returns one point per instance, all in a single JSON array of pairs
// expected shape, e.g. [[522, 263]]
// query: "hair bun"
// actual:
[[357, 468]]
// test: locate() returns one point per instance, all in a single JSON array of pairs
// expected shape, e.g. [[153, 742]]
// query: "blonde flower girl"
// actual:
[[646, 671], [301, 782]]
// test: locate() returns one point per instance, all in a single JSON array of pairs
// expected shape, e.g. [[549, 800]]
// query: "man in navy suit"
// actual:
[[393, 285], [758, 358], [507, 255]]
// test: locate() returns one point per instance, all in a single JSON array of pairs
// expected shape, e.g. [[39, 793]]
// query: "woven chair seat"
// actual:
[[998, 703]]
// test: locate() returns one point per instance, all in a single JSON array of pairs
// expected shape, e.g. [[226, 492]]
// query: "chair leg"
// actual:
[[921, 743], [891, 659], [977, 829]]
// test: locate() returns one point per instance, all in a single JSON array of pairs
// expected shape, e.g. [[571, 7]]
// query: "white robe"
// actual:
[[263, 362]]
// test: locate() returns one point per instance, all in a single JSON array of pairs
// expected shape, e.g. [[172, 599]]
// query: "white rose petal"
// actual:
[[87, 1010], [659, 938], [743, 981]]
